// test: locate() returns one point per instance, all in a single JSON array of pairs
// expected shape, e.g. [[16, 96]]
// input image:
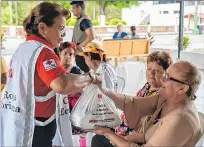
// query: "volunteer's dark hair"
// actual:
[[97, 57], [45, 12]]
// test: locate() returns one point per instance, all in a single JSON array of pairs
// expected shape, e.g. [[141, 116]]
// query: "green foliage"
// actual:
[[120, 3], [151, 38], [113, 12], [19, 9], [186, 41], [116, 21], [22, 8], [112, 9], [95, 22], [2, 36], [92, 9], [108, 23], [5, 15], [71, 22], [65, 4], [123, 22]]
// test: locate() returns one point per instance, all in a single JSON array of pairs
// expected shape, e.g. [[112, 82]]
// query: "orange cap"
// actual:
[[92, 47]]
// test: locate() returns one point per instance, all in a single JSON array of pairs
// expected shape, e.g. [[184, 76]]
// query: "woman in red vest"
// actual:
[[45, 28]]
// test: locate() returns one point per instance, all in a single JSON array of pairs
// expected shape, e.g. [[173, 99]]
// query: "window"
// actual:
[[201, 3], [165, 12], [164, 2], [192, 3], [189, 3], [155, 2]]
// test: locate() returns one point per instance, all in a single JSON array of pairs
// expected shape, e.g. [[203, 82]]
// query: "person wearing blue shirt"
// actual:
[[120, 34]]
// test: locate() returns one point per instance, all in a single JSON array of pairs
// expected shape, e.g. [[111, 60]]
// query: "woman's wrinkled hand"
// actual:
[[100, 130]]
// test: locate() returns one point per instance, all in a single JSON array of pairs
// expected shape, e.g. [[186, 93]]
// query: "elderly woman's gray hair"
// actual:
[[192, 78]]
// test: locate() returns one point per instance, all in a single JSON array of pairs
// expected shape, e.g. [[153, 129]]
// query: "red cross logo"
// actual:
[[49, 62]]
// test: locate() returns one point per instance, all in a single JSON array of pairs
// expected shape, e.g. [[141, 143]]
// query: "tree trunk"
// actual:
[[102, 8], [102, 14], [16, 11], [11, 13]]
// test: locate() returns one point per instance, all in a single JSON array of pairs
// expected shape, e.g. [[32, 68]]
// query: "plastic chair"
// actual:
[[121, 71], [134, 74], [120, 85]]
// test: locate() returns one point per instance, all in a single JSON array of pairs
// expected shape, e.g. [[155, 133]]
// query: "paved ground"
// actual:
[[168, 42], [161, 41]]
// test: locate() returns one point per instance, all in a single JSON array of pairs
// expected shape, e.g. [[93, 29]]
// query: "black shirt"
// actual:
[[76, 70], [85, 24]]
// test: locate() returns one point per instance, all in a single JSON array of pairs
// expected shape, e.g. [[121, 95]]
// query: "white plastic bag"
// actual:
[[94, 109]]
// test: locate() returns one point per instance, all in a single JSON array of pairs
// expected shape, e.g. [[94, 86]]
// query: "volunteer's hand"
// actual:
[[98, 81], [96, 78], [100, 131]]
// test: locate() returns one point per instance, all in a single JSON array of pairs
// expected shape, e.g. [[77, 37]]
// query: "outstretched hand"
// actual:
[[100, 130], [98, 80]]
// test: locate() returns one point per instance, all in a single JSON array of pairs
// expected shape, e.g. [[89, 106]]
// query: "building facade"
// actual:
[[163, 13]]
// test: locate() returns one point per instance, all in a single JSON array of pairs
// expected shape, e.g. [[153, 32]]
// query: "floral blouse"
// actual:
[[123, 129]]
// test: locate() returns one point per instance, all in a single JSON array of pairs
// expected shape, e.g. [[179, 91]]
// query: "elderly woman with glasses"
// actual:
[[157, 64], [169, 118]]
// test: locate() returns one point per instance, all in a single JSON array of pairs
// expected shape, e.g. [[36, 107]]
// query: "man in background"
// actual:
[[133, 34], [82, 33]]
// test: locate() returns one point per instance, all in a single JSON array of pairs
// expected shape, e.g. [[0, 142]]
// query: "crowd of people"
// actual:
[[162, 113]]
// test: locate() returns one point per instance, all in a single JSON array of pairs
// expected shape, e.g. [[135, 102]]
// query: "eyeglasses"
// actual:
[[62, 30], [168, 78]]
